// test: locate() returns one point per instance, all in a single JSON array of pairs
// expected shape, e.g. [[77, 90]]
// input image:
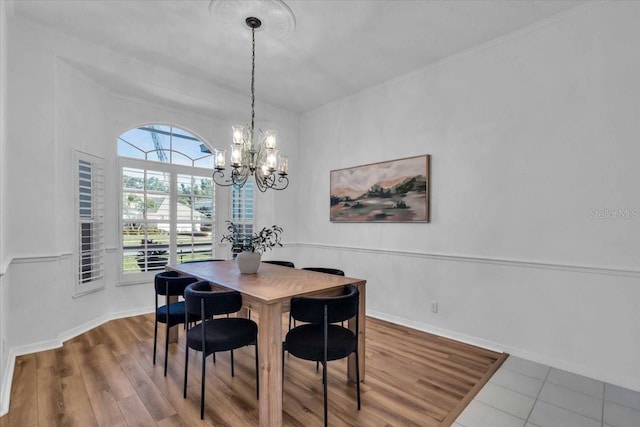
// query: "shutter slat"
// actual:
[[90, 207]]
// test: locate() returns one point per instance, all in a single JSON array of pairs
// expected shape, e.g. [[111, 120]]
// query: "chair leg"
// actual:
[[324, 362], [358, 379], [166, 349], [204, 366], [232, 371], [186, 369], [155, 339], [324, 381]]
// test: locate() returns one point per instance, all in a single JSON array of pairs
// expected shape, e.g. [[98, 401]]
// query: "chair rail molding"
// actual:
[[602, 270], [40, 258], [32, 259]]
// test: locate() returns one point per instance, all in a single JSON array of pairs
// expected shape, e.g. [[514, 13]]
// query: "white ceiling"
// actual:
[[339, 47]]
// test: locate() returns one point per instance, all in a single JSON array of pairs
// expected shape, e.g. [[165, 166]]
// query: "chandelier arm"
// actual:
[[269, 180], [240, 178], [260, 182], [219, 179], [284, 179]]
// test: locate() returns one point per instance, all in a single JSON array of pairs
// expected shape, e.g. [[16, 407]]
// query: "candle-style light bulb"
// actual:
[[272, 156], [236, 155], [270, 139], [219, 156], [284, 165], [238, 134]]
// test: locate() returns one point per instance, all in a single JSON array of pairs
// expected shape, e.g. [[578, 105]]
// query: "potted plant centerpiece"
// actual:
[[251, 247]]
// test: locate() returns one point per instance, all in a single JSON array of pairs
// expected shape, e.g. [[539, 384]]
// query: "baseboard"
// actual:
[[5, 390], [467, 339], [576, 368]]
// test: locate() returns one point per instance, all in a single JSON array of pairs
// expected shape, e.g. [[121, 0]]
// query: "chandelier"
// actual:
[[253, 152]]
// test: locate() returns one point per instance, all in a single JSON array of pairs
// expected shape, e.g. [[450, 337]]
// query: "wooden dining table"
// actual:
[[268, 293]]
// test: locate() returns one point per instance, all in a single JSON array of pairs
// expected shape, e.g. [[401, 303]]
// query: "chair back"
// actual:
[[282, 263], [201, 301], [326, 270], [339, 308], [170, 283]]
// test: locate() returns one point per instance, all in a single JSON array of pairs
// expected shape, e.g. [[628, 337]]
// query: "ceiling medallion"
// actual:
[[277, 19]]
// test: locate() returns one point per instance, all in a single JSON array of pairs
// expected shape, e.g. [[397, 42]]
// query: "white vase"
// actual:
[[248, 262]]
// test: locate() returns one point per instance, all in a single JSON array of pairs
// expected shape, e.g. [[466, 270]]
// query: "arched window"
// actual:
[[165, 144], [167, 211]]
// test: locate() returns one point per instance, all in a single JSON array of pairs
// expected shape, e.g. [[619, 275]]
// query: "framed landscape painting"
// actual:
[[391, 191]]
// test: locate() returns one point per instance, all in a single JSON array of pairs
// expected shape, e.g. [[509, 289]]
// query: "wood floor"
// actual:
[[105, 377]]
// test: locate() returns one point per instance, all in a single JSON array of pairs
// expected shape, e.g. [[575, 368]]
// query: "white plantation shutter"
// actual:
[[90, 222]]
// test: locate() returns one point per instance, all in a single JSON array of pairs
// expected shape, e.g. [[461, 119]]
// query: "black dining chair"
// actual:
[[326, 270], [320, 339], [171, 285], [282, 263], [215, 334]]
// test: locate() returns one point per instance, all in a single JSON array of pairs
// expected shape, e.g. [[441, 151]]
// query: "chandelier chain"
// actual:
[[253, 78]]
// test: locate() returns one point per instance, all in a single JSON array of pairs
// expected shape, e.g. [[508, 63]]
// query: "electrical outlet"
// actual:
[[434, 306]]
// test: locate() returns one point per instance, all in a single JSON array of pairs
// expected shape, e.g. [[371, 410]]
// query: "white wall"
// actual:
[[529, 136], [3, 139], [66, 95]]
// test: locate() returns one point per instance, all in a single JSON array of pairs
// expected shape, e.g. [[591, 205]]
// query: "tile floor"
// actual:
[[527, 394]]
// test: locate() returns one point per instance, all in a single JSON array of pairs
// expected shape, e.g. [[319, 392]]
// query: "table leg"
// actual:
[[270, 364], [351, 367]]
